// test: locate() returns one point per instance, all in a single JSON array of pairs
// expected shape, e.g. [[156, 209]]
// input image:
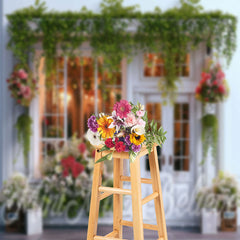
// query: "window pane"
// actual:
[[181, 137], [53, 127], [154, 66]]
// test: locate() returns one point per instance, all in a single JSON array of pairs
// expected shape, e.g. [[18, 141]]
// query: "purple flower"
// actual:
[[92, 124], [136, 148], [126, 148], [127, 140]]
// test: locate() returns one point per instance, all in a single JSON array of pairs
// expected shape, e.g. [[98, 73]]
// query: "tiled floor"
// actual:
[[81, 234]]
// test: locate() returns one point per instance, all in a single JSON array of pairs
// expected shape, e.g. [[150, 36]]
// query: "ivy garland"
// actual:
[[172, 33]]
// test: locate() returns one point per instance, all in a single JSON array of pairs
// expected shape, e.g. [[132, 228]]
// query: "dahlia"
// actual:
[[122, 108]]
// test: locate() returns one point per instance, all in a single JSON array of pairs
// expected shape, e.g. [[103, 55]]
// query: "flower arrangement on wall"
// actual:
[[67, 180], [23, 87], [212, 89], [127, 129]]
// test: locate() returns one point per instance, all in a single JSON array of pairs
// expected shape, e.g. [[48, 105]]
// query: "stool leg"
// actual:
[[136, 199], [156, 185], [94, 206], [117, 198]]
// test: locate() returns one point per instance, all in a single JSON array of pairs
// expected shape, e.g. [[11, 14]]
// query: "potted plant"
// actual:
[[222, 196], [22, 211]]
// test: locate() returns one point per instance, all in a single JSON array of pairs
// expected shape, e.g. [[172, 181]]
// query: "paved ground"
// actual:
[[81, 233]]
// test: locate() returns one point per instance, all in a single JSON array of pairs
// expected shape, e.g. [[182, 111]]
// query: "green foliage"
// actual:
[[24, 131], [172, 33], [209, 135], [154, 135]]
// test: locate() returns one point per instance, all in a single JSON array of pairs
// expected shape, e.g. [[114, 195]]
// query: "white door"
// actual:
[[176, 159]]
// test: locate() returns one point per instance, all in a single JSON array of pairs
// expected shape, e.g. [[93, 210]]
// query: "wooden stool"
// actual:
[[99, 192]]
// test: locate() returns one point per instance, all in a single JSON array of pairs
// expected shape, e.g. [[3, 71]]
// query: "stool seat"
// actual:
[[100, 192]]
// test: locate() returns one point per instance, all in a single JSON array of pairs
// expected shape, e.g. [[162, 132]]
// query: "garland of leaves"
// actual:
[[172, 33]]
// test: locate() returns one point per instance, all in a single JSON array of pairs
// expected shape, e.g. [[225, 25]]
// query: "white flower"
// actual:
[[94, 138], [58, 169], [138, 129], [69, 180], [58, 157]]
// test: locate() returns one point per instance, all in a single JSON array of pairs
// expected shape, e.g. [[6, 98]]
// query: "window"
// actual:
[[81, 86], [154, 66], [181, 137]]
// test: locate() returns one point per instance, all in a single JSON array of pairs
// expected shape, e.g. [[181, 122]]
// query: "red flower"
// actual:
[[198, 90], [70, 165], [205, 77], [82, 147], [220, 75], [215, 83], [109, 143], [221, 89], [120, 147], [93, 154], [77, 169]]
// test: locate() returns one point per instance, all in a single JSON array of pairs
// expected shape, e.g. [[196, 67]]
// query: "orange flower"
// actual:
[[103, 127]]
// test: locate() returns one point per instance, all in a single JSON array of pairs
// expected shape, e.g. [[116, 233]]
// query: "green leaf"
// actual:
[[106, 157], [104, 148]]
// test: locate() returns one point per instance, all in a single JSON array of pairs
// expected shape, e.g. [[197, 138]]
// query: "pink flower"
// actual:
[[131, 120], [22, 74], [82, 147], [140, 113], [141, 122], [220, 75], [122, 108], [198, 90], [26, 91]]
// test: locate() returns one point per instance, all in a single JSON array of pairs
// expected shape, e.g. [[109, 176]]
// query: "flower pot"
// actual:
[[34, 222], [14, 220], [209, 221]]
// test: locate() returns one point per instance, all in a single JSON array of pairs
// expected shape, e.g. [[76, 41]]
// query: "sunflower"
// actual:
[[137, 139], [103, 127]]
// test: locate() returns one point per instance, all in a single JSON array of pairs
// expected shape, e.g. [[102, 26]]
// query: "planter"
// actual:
[[209, 221], [229, 220], [14, 220], [34, 221]]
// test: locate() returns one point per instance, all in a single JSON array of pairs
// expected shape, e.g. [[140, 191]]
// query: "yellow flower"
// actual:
[[137, 139], [103, 127]]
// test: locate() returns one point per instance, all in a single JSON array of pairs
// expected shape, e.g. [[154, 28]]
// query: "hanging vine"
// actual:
[[172, 33]]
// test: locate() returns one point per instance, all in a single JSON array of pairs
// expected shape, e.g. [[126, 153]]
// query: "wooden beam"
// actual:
[[143, 180], [104, 195], [149, 198], [115, 190]]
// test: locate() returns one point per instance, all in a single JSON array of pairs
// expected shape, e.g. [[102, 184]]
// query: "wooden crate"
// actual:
[[229, 220]]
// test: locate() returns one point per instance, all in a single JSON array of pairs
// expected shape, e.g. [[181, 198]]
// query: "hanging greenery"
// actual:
[[23, 125], [209, 135], [172, 33]]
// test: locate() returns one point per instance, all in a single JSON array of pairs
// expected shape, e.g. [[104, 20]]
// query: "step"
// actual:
[[107, 238], [114, 190]]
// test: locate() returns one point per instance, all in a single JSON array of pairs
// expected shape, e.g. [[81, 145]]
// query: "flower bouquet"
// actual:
[[22, 86], [213, 86], [127, 129], [67, 179]]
